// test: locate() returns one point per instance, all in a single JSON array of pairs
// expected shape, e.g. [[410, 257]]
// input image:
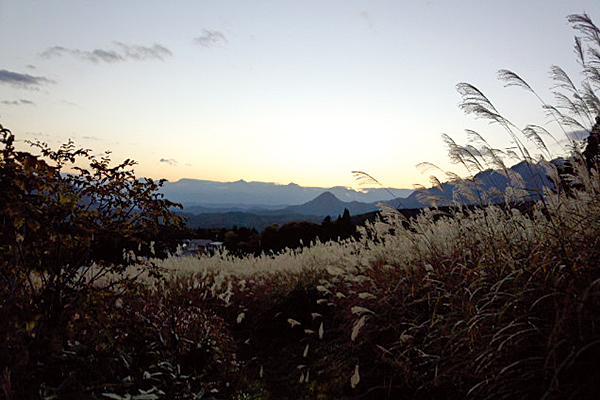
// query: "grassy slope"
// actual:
[[491, 303]]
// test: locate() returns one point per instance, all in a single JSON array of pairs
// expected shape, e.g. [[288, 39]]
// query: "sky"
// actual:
[[275, 90]]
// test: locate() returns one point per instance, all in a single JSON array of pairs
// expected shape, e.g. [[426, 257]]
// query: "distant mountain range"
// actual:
[[200, 196], [315, 210], [247, 210]]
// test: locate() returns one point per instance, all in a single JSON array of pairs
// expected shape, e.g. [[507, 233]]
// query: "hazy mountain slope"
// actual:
[[312, 211], [241, 219], [328, 204], [247, 195]]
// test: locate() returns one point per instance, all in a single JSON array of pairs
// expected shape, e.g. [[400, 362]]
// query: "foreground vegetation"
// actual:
[[478, 303], [491, 303]]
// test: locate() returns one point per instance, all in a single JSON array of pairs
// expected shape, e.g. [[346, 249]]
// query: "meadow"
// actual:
[[483, 302]]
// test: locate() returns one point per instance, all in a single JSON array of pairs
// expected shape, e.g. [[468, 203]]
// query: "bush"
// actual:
[[60, 233]]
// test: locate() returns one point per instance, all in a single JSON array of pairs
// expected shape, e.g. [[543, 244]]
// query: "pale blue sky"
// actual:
[[278, 91]]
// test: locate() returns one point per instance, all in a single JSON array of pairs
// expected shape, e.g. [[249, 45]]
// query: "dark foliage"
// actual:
[[291, 235], [60, 233]]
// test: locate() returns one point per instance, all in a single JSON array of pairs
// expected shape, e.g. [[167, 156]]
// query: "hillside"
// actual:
[[328, 204], [228, 220]]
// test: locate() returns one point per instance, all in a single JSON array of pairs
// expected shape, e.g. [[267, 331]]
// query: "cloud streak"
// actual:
[[122, 52], [21, 102], [210, 38], [24, 81], [169, 161]]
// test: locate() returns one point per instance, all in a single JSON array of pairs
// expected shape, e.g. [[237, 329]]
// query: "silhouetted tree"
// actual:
[[55, 226], [242, 241], [297, 234], [343, 225], [269, 239]]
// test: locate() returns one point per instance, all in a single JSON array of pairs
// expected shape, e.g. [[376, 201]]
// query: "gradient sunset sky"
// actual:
[[277, 91]]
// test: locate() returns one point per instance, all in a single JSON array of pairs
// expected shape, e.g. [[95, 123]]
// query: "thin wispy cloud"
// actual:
[[122, 52], [143, 53], [169, 161], [24, 81], [210, 38], [97, 55], [20, 102]]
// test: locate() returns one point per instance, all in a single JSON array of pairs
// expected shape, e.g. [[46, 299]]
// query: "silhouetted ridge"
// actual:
[[328, 204]]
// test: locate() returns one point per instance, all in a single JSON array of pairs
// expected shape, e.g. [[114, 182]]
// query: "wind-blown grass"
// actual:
[[483, 303]]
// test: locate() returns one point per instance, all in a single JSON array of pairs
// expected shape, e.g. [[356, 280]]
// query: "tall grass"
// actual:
[[484, 303], [576, 109]]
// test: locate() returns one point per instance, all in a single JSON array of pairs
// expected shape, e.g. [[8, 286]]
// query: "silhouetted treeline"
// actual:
[[274, 238]]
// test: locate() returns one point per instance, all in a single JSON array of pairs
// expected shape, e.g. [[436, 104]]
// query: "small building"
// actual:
[[198, 246]]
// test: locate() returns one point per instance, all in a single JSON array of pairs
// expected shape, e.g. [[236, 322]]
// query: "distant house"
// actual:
[[197, 246]]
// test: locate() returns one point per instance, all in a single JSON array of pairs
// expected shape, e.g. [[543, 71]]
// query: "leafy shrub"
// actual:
[[56, 227]]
